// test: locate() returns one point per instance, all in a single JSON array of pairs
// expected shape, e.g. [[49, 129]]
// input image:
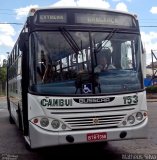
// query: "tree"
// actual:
[[3, 73]]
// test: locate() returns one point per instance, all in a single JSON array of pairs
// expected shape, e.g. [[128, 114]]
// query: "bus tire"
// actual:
[[19, 119], [11, 120], [28, 147]]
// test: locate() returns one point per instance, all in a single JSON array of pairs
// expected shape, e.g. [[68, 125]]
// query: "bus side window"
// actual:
[[41, 66]]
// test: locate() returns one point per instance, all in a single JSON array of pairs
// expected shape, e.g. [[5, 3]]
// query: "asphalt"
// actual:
[[152, 97]]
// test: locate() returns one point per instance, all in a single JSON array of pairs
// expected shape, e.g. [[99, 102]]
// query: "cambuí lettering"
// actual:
[[56, 102]]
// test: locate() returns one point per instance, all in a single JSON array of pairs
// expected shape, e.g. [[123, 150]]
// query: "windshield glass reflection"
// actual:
[[73, 62]]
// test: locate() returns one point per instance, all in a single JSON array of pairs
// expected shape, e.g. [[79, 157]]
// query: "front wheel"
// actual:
[[11, 120], [19, 119], [28, 147]]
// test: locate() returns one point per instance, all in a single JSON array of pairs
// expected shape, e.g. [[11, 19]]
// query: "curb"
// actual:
[[151, 100], [2, 97]]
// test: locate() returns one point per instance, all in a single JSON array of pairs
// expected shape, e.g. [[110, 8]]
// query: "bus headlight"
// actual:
[[50, 124], [44, 122], [55, 124], [139, 116], [131, 119], [134, 119]]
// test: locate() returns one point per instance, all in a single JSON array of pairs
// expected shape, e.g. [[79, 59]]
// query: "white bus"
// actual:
[[75, 75]]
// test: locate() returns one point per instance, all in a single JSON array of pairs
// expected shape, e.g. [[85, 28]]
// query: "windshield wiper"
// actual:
[[68, 37], [108, 37], [70, 40]]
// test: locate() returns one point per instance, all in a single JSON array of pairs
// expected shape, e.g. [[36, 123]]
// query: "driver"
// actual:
[[101, 62]]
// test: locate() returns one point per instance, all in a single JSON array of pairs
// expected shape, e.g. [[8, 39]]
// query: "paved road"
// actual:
[[3, 104], [12, 143]]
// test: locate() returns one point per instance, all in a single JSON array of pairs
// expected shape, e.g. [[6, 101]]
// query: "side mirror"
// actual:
[[22, 43]]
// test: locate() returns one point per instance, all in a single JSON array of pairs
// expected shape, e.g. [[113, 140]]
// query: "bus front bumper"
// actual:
[[43, 138]]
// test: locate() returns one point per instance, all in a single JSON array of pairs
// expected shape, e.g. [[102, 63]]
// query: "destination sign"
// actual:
[[103, 19], [51, 17], [84, 17]]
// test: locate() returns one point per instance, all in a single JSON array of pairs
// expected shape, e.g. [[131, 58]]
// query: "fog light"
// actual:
[[131, 119], [44, 122], [124, 123], [55, 124], [139, 116], [63, 126]]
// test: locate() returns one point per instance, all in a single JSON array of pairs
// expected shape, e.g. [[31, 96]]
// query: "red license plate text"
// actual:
[[96, 136]]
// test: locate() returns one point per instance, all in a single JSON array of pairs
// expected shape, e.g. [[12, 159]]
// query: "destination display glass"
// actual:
[[76, 17]]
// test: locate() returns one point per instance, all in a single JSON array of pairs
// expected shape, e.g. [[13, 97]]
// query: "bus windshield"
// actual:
[[84, 62]]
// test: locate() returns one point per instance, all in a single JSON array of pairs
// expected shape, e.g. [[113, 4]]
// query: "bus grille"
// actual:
[[110, 121], [79, 118]]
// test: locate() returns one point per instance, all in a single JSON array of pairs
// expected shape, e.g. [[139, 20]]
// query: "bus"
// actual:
[[57, 97]]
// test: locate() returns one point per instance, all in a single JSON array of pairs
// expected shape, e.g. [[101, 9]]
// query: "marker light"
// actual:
[[35, 121], [145, 114], [33, 10]]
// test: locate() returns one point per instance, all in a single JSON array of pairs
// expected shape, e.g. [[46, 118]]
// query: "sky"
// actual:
[[16, 12]]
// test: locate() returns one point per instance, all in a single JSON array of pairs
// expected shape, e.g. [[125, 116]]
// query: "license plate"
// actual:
[[96, 136]]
